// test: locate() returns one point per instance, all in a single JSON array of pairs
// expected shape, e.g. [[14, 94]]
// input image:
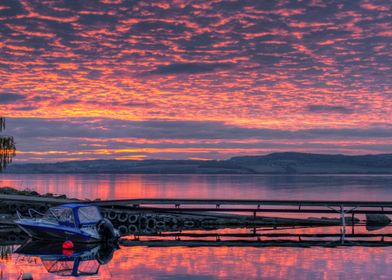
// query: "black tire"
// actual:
[[112, 215], [160, 224], [151, 223], [122, 217], [143, 221], [189, 224], [132, 229], [133, 218], [123, 230]]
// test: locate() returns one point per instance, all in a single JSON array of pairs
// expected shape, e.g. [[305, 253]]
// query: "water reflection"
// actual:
[[222, 253], [113, 186], [82, 260]]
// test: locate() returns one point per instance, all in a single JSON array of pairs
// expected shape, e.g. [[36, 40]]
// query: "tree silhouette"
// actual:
[[7, 147]]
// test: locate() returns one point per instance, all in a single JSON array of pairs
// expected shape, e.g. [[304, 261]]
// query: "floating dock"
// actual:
[[209, 212], [253, 206]]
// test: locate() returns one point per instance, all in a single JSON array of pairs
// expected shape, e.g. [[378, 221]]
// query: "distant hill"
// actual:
[[275, 163]]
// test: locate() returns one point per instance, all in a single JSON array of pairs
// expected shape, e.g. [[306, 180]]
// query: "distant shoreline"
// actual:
[[273, 164], [212, 174]]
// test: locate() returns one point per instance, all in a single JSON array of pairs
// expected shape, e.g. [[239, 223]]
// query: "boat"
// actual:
[[75, 222], [82, 260]]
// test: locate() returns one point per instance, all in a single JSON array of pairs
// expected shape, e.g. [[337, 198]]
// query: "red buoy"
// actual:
[[68, 245], [67, 252]]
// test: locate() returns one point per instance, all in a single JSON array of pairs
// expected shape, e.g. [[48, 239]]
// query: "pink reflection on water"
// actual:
[[116, 186], [218, 262], [229, 263]]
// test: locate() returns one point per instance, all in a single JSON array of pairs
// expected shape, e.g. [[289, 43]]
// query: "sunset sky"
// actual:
[[195, 79]]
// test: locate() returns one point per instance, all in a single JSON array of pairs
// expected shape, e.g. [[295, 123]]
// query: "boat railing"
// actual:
[[19, 215], [32, 211], [50, 214]]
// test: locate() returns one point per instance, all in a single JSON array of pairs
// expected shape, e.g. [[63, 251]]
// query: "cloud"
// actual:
[[221, 68], [329, 109], [26, 108], [69, 101], [88, 138], [11, 97], [166, 129], [189, 68]]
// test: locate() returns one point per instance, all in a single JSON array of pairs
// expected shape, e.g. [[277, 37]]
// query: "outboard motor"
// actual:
[[106, 230]]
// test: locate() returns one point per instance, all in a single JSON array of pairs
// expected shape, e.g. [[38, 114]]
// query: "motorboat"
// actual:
[[75, 222], [82, 260]]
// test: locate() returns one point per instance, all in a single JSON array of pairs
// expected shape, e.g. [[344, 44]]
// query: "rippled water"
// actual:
[[178, 262], [106, 186]]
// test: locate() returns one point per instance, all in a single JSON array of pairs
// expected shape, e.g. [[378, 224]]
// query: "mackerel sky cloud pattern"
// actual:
[[188, 79]]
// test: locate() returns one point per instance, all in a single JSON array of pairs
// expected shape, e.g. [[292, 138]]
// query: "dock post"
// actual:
[[343, 224]]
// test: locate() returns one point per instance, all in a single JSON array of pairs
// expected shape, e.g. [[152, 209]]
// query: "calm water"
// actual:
[[103, 186], [218, 262]]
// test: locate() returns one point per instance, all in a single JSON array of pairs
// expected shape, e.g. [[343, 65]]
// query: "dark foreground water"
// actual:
[[217, 262]]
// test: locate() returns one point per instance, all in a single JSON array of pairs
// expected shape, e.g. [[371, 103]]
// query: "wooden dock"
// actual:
[[220, 205], [221, 208], [253, 206], [376, 211], [219, 202], [172, 217]]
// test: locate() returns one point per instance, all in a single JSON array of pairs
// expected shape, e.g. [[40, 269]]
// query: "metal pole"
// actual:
[[343, 223]]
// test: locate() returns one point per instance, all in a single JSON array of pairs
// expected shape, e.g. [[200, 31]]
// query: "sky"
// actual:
[[186, 79]]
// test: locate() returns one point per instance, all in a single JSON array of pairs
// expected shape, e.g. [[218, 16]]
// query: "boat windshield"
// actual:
[[89, 214], [60, 214]]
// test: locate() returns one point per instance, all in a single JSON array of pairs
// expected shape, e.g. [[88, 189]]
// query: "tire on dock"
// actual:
[[132, 229], [151, 222], [122, 217], [160, 224], [123, 230], [189, 224], [143, 221], [133, 218], [112, 215], [174, 221]]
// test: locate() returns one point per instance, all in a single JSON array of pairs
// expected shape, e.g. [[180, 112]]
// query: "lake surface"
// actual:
[[180, 262], [108, 186]]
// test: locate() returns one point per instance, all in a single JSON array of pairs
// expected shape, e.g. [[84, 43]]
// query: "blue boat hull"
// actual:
[[47, 232]]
